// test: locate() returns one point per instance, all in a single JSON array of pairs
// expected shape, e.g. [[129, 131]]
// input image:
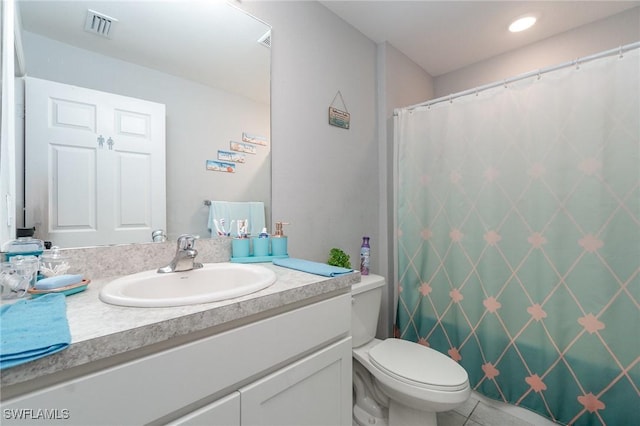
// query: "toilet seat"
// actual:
[[418, 365]]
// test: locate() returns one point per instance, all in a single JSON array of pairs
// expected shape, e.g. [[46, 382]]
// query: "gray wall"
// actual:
[[200, 120], [336, 185], [325, 179], [401, 82]]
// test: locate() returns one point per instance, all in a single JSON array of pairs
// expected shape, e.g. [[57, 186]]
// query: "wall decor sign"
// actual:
[[221, 166], [235, 157], [254, 139], [338, 117], [242, 147]]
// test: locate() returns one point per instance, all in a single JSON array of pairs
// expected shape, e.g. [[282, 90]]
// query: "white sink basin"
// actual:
[[212, 282]]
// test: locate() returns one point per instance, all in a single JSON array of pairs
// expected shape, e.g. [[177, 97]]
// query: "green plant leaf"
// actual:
[[339, 258]]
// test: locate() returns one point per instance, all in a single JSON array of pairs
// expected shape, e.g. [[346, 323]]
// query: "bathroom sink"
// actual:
[[213, 282]]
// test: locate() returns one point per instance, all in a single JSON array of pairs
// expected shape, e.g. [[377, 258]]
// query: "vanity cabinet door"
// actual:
[[223, 412], [315, 390]]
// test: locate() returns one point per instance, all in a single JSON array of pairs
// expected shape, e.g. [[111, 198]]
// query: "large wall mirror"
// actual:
[[207, 61]]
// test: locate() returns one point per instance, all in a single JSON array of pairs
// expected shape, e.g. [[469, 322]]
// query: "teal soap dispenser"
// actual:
[[279, 241], [261, 244]]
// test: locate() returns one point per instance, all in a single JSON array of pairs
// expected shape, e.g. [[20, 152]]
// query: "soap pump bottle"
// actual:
[[279, 241], [365, 252]]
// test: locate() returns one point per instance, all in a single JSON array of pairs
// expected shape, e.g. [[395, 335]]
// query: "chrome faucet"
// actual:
[[185, 256]]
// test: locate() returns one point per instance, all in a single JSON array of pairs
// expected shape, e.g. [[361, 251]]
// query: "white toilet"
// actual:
[[397, 382]]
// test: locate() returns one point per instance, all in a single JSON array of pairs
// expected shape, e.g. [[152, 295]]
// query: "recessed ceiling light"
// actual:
[[522, 23]]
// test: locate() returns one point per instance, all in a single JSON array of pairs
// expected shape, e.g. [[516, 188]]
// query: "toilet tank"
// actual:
[[365, 308]]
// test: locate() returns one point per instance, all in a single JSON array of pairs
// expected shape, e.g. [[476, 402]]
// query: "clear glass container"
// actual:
[[11, 286], [17, 276], [53, 263], [25, 246], [26, 267]]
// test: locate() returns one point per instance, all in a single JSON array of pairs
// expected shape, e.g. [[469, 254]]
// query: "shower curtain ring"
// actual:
[[621, 55]]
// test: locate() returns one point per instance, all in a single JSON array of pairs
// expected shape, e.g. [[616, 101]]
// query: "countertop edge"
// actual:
[[216, 319]]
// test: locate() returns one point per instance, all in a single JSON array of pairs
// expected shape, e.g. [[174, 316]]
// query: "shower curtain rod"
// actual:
[[576, 62]]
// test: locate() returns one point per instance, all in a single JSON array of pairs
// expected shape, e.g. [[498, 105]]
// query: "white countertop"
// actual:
[[99, 330]]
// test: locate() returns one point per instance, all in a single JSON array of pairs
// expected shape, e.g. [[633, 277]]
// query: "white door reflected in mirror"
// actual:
[[95, 165]]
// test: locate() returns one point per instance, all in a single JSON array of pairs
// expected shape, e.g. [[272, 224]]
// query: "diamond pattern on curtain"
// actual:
[[518, 239]]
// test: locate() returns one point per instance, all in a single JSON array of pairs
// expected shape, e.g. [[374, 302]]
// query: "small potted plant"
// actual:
[[339, 258]]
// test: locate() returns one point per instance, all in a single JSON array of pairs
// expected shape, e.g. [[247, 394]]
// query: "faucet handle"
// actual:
[[187, 241]]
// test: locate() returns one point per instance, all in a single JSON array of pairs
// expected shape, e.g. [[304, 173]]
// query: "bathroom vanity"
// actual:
[[279, 356]]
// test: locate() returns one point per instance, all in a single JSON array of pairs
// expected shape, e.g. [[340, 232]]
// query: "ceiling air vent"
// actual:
[[265, 40], [99, 24]]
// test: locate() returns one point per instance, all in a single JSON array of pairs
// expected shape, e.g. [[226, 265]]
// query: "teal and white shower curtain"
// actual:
[[518, 238]]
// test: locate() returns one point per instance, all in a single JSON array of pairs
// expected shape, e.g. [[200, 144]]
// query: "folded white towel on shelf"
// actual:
[[253, 211]]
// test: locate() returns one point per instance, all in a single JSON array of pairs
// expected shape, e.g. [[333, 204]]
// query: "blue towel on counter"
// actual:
[[32, 329], [253, 211], [312, 267]]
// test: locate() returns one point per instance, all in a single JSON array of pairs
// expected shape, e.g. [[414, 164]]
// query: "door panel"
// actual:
[[73, 188], [74, 115], [133, 196], [132, 124], [315, 391]]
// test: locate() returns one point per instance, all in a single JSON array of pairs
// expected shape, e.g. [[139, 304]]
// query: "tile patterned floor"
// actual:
[[479, 411]]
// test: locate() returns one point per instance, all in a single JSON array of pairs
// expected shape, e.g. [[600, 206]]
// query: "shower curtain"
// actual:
[[518, 238]]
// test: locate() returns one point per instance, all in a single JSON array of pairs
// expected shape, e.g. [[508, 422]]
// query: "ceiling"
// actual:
[[443, 36]]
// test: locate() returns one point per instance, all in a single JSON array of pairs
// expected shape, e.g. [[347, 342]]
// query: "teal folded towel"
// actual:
[[312, 267], [32, 329]]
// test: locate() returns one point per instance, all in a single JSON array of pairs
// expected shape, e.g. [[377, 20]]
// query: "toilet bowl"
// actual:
[[405, 383]]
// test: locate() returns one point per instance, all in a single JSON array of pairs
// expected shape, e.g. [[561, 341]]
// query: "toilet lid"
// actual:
[[418, 365]]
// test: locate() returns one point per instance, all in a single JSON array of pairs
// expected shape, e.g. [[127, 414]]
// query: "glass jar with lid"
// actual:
[[24, 246], [53, 263], [12, 284], [25, 269]]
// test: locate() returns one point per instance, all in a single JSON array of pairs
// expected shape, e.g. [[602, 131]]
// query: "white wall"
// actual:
[[200, 120], [325, 179], [609, 33]]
